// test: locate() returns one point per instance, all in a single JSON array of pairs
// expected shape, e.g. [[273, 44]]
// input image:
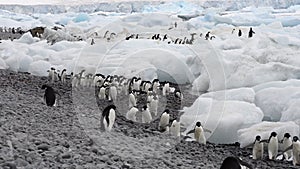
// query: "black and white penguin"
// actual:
[[49, 96], [273, 146], [164, 120], [286, 143], [251, 32], [175, 128], [63, 76], [108, 118], [155, 85], [199, 133], [52, 74], [234, 163], [166, 89], [146, 115], [165, 37], [131, 114], [240, 33], [258, 148], [207, 35], [295, 147], [113, 92], [132, 100], [153, 105]]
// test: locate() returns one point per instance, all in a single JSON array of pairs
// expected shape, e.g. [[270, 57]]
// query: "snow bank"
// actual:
[[273, 101], [247, 136], [39, 68], [224, 118]]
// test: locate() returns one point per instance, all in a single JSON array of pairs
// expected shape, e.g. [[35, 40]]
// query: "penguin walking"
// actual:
[[49, 96], [52, 74], [153, 105], [199, 133], [155, 85], [131, 114], [273, 146], [207, 35], [258, 148], [108, 118], [295, 147], [164, 120], [102, 92], [234, 163], [251, 32], [175, 128], [146, 115], [286, 143]]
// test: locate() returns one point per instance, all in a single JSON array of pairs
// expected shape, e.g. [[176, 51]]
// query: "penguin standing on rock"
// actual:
[[295, 147], [258, 148], [287, 142], [199, 133], [63, 76], [164, 120], [175, 128], [273, 146], [146, 115], [234, 163], [108, 118], [49, 96]]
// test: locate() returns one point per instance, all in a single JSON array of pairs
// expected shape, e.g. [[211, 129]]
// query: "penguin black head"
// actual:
[[52, 68], [145, 107], [273, 134], [45, 86], [167, 111], [257, 138], [198, 124], [295, 138], [287, 135]]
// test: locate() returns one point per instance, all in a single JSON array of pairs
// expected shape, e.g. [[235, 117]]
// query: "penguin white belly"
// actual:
[[258, 150], [132, 100], [164, 121], [153, 107], [273, 148], [112, 117], [131, 114], [146, 116], [175, 128], [102, 93], [199, 135], [287, 143], [113, 92], [296, 153]]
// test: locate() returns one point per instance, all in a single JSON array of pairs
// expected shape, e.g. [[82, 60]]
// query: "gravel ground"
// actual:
[[35, 136]]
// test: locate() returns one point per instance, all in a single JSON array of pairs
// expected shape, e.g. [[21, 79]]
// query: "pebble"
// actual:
[[66, 156], [43, 147]]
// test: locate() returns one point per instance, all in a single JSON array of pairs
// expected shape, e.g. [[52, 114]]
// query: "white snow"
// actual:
[[223, 118], [247, 136]]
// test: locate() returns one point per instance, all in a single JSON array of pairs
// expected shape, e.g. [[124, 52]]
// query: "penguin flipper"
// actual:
[[264, 141], [186, 137], [192, 131], [287, 149], [206, 130]]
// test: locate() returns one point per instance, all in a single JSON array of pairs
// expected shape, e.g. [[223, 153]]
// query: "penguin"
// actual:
[[164, 120], [75, 81], [146, 115], [93, 41], [49, 96], [165, 37], [52, 74], [153, 105], [199, 133], [155, 85], [132, 100], [287, 142], [63, 76], [166, 89], [234, 163], [295, 147], [273, 146], [131, 114], [251, 32], [113, 92], [108, 118], [175, 128], [178, 94], [258, 148], [240, 33], [207, 35], [233, 30], [101, 94]]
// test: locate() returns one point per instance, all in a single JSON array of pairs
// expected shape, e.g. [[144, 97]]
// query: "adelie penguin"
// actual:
[[234, 163], [49, 96], [164, 120], [199, 133], [295, 147], [273, 146], [146, 115], [258, 148], [287, 142], [251, 32], [108, 118]]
